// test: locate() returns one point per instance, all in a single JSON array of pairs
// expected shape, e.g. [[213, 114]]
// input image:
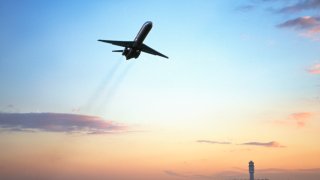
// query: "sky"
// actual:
[[242, 83]]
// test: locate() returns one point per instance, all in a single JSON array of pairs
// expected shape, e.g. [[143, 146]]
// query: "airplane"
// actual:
[[132, 49]]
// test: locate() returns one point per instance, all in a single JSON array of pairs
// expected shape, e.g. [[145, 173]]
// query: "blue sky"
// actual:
[[54, 47], [233, 66]]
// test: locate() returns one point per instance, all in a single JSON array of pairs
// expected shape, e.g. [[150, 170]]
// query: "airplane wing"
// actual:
[[119, 43], [149, 50]]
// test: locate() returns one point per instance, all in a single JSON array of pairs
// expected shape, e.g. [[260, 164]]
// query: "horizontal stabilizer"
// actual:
[[117, 51]]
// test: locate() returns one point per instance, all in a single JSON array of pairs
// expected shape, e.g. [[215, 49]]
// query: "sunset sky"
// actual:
[[242, 83]]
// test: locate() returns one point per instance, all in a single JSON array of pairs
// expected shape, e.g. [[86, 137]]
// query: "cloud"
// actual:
[[310, 26], [9, 108], [301, 118], [188, 176], [315, 69], [267, 144], [303, 22], [212, 142], [301, 115], [171, 173], [252, 5], [300, 6], [58, 122], [245, 8]]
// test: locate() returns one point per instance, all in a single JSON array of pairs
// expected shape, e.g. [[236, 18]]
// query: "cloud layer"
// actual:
[[301, 22], [301, 118], [172, 173], [213, 142], [274, 144], [308, 26], [315, 69], [266, 144], [58, 122], [300, 6]]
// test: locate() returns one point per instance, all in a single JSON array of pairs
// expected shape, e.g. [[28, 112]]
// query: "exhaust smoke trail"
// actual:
[[113, 89], [102, 86]]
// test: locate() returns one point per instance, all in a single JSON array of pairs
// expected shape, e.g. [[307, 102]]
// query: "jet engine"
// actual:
[[125, 51], [137, 54]]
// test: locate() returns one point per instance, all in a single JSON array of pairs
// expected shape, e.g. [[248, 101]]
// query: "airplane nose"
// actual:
[[148, 23]]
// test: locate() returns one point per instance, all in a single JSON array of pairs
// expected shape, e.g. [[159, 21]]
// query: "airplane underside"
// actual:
[[132, 49], [129, 53]]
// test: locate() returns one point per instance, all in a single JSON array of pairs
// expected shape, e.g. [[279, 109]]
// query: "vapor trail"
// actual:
[[113, 88], [103, 85]]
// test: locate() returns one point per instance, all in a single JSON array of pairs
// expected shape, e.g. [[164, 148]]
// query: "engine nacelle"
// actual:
[[125, 51], [137, 54]]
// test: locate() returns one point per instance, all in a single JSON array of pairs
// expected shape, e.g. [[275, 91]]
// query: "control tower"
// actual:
[[251, 170]]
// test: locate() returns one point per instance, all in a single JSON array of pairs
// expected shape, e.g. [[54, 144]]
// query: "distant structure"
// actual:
[[251, 170]]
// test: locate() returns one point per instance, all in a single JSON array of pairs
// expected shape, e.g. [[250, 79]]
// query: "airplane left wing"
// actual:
[[149, 50], [119, 43]]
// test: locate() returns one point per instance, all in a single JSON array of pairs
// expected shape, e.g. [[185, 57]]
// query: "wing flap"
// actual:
[[149, 50], [119, 43]]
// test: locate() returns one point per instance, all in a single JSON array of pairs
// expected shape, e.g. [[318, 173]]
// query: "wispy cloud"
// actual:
[[273, 144], [308, 26], [58, 122], [213, 142], [188, 175], [10, 108], [245, 8], [301, 118], [171, 173], [300, 5], [301, 115], [315, 69], [304, 22]]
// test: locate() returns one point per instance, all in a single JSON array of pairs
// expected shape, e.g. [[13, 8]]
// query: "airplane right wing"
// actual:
[[119, 43], [149, 50]]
